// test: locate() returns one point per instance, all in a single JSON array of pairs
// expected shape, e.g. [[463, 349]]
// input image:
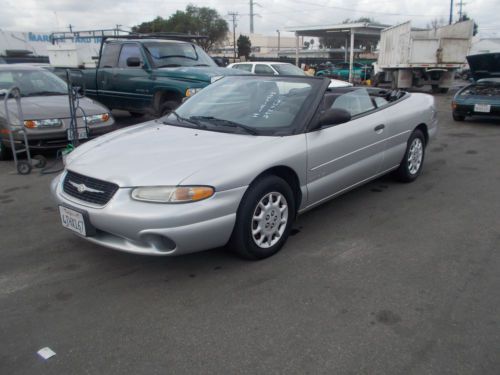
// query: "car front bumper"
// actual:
[[463, 109], [154, 228]]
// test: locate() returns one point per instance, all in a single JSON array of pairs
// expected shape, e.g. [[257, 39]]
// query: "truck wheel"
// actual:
[[435, 89], [167, 107]]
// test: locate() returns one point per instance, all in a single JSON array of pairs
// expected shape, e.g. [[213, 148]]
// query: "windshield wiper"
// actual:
[[169, 66], [181, 119], [201, 65], [228, 123]]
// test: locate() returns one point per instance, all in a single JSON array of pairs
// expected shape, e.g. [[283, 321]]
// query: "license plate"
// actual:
[[82, 134], [482, 108], [73, 220]]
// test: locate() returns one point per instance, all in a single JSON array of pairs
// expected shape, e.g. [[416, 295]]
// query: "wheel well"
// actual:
[[164, 96], [289, 175], [423, 129]]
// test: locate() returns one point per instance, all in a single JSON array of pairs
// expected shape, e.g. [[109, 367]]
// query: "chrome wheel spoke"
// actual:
[[269, 219]]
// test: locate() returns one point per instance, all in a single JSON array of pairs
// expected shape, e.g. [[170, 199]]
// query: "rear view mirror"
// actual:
[[334, 116], [133, 62]]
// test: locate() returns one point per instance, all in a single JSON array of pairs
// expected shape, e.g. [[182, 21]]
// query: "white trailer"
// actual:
[[413, 58]]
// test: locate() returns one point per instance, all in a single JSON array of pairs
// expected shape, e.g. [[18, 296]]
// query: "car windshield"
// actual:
[[32, 82], [175, 54], [288, 69], [268, 106]]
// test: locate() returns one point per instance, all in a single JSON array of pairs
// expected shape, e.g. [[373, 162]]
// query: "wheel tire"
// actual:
[[40, 161], [243, 241], [444, 90], [458, 117], [413, 160], [167, 107], [5, 152], [435, 89], [23, 167]]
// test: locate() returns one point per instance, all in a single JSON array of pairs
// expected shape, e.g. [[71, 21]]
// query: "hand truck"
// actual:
[[22, 166]]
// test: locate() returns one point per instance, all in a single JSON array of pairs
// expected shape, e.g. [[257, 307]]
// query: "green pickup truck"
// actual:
[[146, 74]]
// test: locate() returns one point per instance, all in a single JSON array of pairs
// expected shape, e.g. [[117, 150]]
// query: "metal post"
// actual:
[[346, 49], [351, 57], [451, 12], [278, 41], [296, 49]]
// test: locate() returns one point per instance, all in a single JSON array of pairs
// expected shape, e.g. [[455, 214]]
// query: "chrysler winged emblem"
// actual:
[[82, 188]]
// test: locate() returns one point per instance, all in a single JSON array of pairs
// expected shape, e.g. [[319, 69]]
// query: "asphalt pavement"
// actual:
[[390, 278]]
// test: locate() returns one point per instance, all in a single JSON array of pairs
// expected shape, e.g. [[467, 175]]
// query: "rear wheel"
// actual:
[[413, 160], [264, 219], [5, 152]]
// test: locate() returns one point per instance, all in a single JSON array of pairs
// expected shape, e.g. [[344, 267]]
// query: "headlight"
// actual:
[[216, 78], [49, 123], [192, 91], [96, 119], [172, 194]]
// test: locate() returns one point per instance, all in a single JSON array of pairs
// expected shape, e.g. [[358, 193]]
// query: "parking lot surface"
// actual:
[[390, 278]]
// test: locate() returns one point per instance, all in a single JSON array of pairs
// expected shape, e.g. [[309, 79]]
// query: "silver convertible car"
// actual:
[[235, 164]]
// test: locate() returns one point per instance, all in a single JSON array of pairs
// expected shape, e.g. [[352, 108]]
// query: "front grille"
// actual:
[[82, 187]]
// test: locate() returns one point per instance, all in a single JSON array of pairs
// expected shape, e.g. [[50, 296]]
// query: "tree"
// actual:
[[465, 17], [436, 23], [194, 20], [244, 46]]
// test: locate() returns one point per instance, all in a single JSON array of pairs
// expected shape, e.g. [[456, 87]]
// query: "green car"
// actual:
[[341, 71], [481, 98]]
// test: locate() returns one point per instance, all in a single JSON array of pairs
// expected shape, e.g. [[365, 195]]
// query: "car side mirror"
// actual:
[[133, 62], [333, 116]]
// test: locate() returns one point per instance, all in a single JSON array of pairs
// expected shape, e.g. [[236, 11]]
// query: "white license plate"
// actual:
[[82, 134], [482, 108], [72, 220]]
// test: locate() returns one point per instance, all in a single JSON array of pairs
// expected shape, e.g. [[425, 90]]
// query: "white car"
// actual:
[[268, 68], [279, 68]]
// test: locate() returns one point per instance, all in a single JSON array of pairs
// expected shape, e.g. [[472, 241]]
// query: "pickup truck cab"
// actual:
[[149, 75]]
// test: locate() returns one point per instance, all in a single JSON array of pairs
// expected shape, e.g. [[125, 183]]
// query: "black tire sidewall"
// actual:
[[241, 240], [167, 107], [403, 172]]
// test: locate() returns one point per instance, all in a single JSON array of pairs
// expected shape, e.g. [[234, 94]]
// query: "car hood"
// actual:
[[54, 106], [485, 65], [198, 73], [153, 153]]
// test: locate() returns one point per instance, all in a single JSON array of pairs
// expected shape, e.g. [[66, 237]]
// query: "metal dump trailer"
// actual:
[[413, 58]]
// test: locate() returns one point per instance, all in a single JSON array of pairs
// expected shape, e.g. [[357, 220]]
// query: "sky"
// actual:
[[56, 15]]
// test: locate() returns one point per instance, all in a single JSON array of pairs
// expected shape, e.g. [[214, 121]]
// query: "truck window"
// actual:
[[245, 67], [129, 50], [109, 55]]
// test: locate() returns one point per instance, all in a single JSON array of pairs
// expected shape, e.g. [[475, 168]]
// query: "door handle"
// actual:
[[379, 128]]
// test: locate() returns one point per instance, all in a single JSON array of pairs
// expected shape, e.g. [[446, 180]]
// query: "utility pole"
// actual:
[[70, 26], [278, 41], [451, 12], [252, 14], [118, 29], [233, 15], [460, 6]]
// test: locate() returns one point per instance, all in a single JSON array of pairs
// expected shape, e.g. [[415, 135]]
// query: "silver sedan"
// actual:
[[236, 163]]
